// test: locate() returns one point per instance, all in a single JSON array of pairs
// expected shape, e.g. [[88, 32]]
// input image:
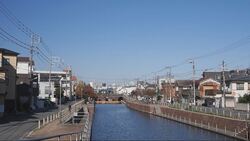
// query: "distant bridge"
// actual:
[[109, 97]]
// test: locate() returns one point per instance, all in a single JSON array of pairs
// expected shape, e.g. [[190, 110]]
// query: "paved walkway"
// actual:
[[14, 127], [55, 128]]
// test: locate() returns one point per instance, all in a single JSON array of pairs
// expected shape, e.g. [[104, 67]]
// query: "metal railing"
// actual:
[[64, 115], [229, 113]]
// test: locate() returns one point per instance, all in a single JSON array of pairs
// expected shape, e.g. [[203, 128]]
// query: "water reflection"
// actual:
[[117, 122]]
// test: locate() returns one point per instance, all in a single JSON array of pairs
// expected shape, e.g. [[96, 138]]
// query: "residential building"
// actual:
[[47, 89], [184, 89], [209, 87], [8, 66], [236, 85], [239, 86], [27, 88]]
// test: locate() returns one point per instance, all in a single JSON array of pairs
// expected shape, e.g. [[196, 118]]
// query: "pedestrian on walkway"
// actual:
[[69, 108]]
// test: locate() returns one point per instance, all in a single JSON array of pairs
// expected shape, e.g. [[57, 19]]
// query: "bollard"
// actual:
[[76, 138], [225, 129], [58, 139], [234, 132], [39, 124]]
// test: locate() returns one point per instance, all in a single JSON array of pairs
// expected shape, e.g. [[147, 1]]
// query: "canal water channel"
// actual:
[[117, 122]]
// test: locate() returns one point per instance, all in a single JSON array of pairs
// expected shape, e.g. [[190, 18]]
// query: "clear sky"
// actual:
[[126, 39]]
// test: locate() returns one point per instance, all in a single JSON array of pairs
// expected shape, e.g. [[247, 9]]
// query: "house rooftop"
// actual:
[[240, 79], [8, 52]]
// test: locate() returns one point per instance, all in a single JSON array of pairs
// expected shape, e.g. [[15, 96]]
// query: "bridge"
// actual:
[[109, 97]]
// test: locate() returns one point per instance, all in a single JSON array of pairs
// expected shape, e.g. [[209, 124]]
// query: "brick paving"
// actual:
[[55, 128]]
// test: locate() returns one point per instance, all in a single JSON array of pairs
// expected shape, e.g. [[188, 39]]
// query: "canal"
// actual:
[[117, 122]]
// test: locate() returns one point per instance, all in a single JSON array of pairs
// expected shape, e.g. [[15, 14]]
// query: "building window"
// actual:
[[210, 93], [6, 61], [47, 90], [240, 86]]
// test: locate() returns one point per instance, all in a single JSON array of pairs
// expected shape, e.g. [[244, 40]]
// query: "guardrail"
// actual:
[[64, 115], [234, 114]]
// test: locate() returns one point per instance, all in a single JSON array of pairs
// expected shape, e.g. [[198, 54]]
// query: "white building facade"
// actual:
[[47, 89]]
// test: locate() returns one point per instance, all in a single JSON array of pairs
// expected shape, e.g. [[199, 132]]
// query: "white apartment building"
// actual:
[[47, 90]]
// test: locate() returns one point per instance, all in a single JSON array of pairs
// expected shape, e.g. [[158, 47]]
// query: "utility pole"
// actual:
[[60, 106], [50, 67], [70, 83], [170, 84], [32, 47], [223, 100], [157, 84], [192, 61]]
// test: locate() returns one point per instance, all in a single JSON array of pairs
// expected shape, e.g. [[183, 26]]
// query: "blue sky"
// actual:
[[124, 39]]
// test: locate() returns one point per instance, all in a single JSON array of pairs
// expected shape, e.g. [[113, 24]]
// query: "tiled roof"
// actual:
[[8, 52]]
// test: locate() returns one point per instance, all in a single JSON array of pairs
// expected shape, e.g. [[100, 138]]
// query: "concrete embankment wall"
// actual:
[[91, 111], [230, 127]]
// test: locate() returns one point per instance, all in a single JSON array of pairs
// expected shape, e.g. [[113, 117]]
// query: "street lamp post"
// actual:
[[192, 61], [60, 102]]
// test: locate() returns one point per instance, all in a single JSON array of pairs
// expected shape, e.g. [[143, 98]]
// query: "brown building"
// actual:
[[209, 87], [8, 66]]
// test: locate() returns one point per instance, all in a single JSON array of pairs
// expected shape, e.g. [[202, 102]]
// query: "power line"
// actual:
[[227, 48], [14, 37], [3, 36], [15, 21]]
